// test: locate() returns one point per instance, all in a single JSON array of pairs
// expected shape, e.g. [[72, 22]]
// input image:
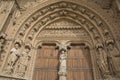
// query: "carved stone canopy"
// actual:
[[28, 46], [110, 41], [3, 35], [99, 45], [19, 42]]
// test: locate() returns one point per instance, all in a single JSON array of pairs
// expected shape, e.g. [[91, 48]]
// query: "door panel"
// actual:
[[46, 63], [79, 64]]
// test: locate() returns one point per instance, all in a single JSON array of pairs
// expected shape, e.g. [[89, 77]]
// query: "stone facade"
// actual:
[[26, 24]]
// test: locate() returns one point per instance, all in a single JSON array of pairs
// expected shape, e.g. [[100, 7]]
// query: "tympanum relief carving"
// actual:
[[63, 28]]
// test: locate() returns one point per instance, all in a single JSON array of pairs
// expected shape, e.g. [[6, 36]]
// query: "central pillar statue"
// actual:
[[62, 62]]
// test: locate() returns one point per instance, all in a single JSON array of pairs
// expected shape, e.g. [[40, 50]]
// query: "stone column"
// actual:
[[62, 62]]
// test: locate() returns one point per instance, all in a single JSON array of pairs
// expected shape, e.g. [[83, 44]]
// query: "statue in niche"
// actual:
[[113, 57], [23, 61], [62, 67], [2, 43], [102, 61], [13, 57]]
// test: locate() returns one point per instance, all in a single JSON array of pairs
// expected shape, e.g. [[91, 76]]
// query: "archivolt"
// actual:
[[97, 28]]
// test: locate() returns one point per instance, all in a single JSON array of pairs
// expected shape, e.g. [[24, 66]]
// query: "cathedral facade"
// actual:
[[59, 39]]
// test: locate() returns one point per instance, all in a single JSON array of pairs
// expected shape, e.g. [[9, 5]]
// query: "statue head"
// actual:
[[110, 44], [2, 40], [17, 45], [99, 47], [27, 48], [62, 51]]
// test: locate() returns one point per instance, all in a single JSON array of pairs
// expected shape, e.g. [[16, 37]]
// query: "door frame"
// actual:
[[87, 45]]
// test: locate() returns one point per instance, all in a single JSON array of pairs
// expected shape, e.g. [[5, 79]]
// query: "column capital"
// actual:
[[63, 47]]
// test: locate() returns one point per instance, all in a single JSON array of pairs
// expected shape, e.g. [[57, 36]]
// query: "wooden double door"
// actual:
[[78, 63]]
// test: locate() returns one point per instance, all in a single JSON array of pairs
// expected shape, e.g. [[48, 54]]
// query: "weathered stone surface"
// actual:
[[37, 22]]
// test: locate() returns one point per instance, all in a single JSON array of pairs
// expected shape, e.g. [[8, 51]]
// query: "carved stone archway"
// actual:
[[30, 25]]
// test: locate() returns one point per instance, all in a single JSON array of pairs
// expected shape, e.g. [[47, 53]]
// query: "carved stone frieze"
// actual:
[[48, 19], [63, 29]]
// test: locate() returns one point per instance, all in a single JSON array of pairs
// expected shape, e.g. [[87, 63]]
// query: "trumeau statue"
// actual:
[[113, 57], [102, 60], [63, 65], [13, 57], [23, 61]]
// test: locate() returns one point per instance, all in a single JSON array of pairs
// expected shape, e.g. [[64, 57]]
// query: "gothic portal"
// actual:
[[59, 40]]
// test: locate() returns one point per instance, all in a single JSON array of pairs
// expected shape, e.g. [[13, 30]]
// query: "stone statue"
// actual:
[[102, 60], [13, 57], [23, 61], [62, 67], [113, 57], [62, 62], [2, 43]]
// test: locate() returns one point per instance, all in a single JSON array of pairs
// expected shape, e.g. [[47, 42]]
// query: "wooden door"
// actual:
[[79, 64], [46, 67]]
